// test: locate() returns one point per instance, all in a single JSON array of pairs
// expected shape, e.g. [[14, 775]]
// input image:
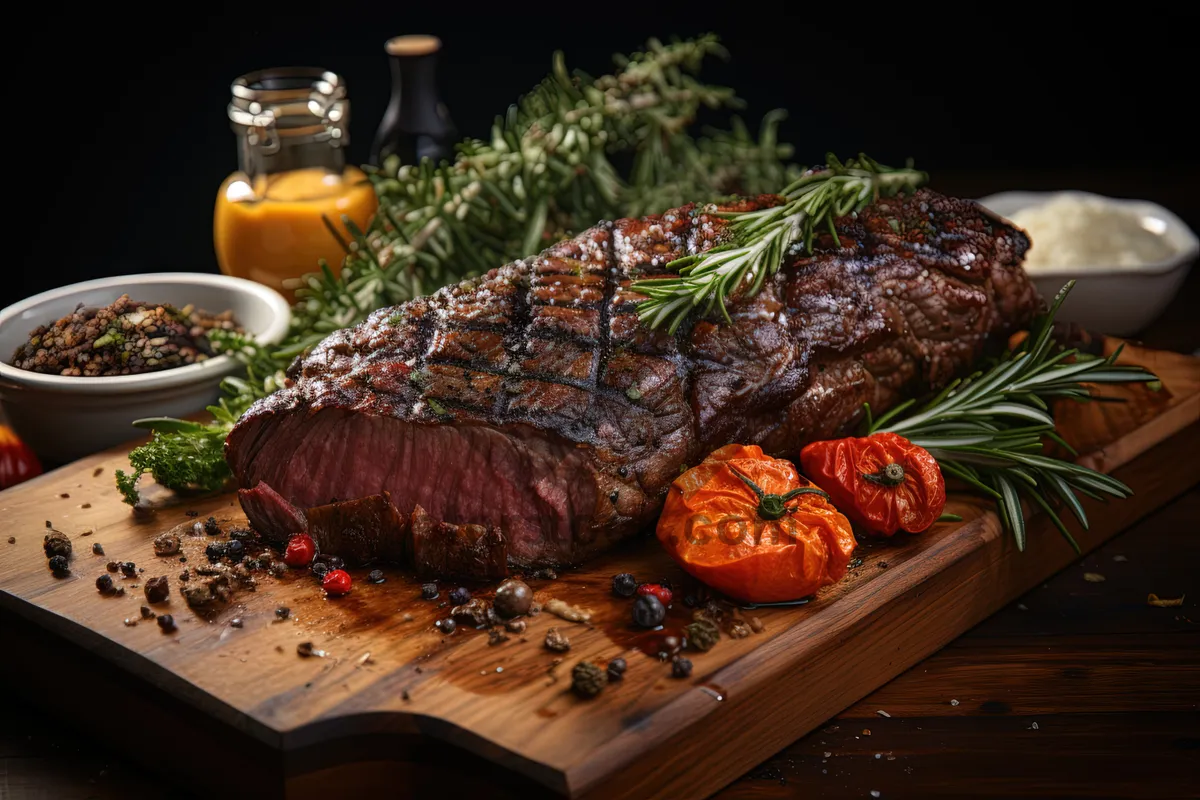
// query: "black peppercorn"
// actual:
[[211, 527], [235, 551], [112, 566], [624, 585], [215, 551], [104, 584], [283, 612], [460, 596], [648, 611], [129, 569], [376, 576], [331, 561], [184, 576], [446, 626], [59, 566], [681, 667], [157, 590], [588, 680], [318, 569], [97, 549], [166, 622], [429, 591], [616, 669]]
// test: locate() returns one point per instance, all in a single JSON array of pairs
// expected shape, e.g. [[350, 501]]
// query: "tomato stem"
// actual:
[[891, 475], [774, 506]]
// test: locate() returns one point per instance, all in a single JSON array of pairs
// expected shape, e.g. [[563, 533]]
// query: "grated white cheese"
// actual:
[[1071, 232]]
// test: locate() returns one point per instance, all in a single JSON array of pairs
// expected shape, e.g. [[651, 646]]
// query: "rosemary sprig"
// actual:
[[758, 239], [988, 429]]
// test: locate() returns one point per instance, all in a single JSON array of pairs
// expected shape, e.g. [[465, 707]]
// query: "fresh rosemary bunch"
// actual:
[[988, 429], [546, 172], [758, 239]]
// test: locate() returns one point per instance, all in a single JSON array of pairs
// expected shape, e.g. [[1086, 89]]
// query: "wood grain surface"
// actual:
[[391, 688]]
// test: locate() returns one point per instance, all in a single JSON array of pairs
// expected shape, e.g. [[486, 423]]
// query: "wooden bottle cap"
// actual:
[[412, 45]]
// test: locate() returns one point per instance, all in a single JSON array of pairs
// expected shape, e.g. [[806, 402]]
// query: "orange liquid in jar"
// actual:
[[277, 232]]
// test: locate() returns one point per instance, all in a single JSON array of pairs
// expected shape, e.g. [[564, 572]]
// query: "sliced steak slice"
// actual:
[[467, 552], [361, 531], [531, 401], [273, 516]]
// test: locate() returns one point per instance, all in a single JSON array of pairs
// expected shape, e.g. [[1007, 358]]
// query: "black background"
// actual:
[[119, 138]]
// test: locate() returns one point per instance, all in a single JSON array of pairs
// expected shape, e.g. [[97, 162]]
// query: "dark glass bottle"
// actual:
[[416, 124]]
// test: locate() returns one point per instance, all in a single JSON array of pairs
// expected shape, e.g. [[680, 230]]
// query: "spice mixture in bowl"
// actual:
[[79, 364], [125, 338]]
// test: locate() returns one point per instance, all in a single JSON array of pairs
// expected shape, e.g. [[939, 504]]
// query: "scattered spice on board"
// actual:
[[1164, 602], [157, 590], [56, 544], [513, 598], [567, 611], [97, 549], [557, 641], [166, 623], [588, 680], [1093, 577], [681, 667]]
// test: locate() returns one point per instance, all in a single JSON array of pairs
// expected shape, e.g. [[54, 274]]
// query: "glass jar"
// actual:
[[274, 215]]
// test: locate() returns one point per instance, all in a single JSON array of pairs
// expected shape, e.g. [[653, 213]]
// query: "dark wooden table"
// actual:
[[1080, 689]]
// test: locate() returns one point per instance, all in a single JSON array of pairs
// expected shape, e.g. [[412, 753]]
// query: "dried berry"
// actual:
[[663, 593], [283, 612], [616, 669], [235, 551], [460, 596], [300, 550], [557, 641], [429, 591], [624, 585], [166, 544], [97, 549], [588, 680], [513, 598], [702, 634], [166, 623], [681, 667], [319, 568], [57, 544], [336, 582], [215, 551], [211, 527], [446, 626], [59, 566], [157, 590], [376, 576], [648, 612], [104, 584]]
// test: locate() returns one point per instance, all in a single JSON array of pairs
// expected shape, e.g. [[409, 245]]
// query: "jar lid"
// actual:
[[305, 103]]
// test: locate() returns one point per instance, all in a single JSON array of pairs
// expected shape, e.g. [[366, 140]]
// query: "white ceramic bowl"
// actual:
[[65, 418], [1110, 299]]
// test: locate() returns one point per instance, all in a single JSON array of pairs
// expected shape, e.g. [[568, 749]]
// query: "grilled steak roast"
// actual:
[[527, 418]]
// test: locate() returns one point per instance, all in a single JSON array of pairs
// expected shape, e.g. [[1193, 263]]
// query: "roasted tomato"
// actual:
[[750, 527], [17, 461], [883, 482]]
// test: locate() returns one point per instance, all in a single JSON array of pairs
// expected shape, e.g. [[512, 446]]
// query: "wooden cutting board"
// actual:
[[396, 706]]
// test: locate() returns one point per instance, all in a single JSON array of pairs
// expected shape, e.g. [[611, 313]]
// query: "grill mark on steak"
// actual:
[[563, 421]]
